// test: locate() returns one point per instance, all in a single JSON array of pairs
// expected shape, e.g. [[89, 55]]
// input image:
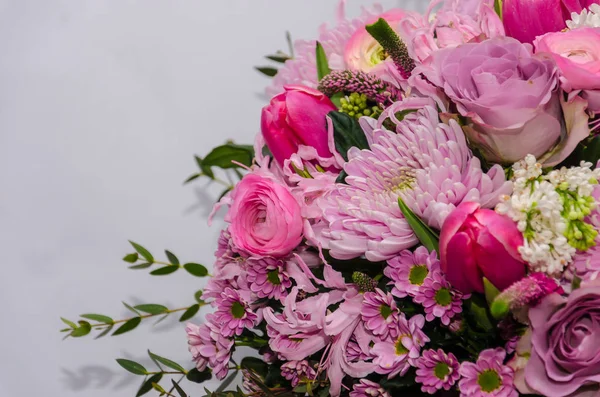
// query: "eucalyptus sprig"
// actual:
[[146, 260]]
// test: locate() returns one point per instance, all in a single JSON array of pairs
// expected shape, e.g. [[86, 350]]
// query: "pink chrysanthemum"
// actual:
[[586, 264], [439, 299], [437, 370], [367, 388], [267, 278], [488, 376], [425, 162], [228, 267], [394, 357], [409, 270], [249, 382], [209, 347], [380, 314], [295, 371], [233, 313], [302, 69]]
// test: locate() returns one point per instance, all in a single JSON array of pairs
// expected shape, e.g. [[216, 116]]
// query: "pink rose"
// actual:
[[264, 217], [577, 54], [477, 243], [296, 117]]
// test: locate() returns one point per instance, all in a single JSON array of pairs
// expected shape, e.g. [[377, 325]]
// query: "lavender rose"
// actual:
[[565, 355], [508, 95]]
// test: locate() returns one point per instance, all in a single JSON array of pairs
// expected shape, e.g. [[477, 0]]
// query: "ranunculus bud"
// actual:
[[526, 19], [296, 117], [477, 243]]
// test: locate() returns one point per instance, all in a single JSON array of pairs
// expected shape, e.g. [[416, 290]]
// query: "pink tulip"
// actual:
[[296, 117], [526, 19], [477, 243]]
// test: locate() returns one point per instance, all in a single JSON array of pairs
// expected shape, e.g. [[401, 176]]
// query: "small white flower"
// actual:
[[587, 18]]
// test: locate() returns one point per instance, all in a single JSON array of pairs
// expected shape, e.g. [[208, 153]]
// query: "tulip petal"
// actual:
[[460, 266], [496, 263]]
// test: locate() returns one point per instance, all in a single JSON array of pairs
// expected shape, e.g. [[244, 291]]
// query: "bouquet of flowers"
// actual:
[[419, 214]]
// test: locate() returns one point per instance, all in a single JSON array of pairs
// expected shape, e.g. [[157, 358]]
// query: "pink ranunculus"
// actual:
[[265, 218], [577, 54], [477, 243], [296, 117], [364, 53], [526, 19], [509, 95]]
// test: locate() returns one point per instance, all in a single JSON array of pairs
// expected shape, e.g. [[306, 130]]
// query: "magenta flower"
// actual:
[[437, 370], [380, 314], [367, 388], [394, 357], [425, 162], [439, 299], [488, 376], [233, 313], [409, 270], [296, 371], [209, 347], [267, 278]]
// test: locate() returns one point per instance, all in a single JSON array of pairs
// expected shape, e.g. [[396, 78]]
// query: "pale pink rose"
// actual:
[[265, 218]]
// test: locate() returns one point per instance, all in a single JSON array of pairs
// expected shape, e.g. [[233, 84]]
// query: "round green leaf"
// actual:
[[132, 366], [83, 329], [131, 258], [196, 269], [198, 377]]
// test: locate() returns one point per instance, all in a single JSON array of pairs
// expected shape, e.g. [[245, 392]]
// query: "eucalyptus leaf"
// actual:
[[147, 385], [426, 236], [196, 269], [141, 266], [172, 258], [279, 57], [189, 313], [163, 271], [165, 361], [69, 323], [225, 384], [132, 366], [98, 317], [105, 331], [142, 251], [198, 296], [129, 307], [224, 155], [196, 376], [179, 389], [152, 308], [129, 325], [192, 178], [256, 365], [131, 258], [267, 70], [83, 329]]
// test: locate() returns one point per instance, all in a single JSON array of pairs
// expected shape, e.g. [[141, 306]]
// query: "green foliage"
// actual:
[[426, 236], [131, 258], [98, 317], [491, 292], [83, 329], [166, 362], [196, 269], [322, 63], [196, 376], [172, 258], [347, 133], [179, 389], [148, 384], [189, 313], [266, 70], [128, 325], [152, 308], [476, 309], [142, 251], [223, 156], [166, 270], [132, 366]]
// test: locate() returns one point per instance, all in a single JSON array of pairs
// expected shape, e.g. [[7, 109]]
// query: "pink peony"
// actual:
[[296, 117], [477, 243], [264, 217]]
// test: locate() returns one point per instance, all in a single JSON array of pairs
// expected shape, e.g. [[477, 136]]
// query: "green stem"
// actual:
[[99, 325]]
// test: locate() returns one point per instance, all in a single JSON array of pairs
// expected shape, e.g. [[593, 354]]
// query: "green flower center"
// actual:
[[489, 380], [378, 54], [441, 370], [443, 297], [400, 349], [385, 311], [273, 277], [238, 310], [417, 274]]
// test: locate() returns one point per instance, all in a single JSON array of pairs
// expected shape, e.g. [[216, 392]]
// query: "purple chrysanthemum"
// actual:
[[228, 267], [380, 313], [267, 278], [233, 313], [367, 388], [354, 351], [209, 347], [409, 270], [394, 357], [296, 371], [439, 299], [425, 162], [488, 376], [437, 370]]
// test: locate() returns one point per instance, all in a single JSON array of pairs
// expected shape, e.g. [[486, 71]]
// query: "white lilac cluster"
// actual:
[[550, 211], [588, 18]]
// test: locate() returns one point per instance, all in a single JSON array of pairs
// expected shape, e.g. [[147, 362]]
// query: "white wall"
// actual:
[[102, 106]]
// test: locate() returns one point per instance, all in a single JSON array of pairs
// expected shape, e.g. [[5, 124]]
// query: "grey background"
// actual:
[[102, 106]]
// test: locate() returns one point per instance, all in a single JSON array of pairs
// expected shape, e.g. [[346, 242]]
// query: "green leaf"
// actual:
[[322, 63], [224, 192], [491, 292], [198, 296], [172, 258], [142, 251], [163, 271], [426, 236], [224, 155], [225, 384], [69, 323], [105, 332], [141, 266], [498, 7], [131, 308], [132, 366], [476, 308], [165, 361], [190, 312], [576, 283], [83, 329], [267, 70], [98, 317], [288, 38], [129, 325], [147, 385], [198, 377], [341, 177], [196, 269], [179, 389], [279, 57], [347, 133], [152, 308], [192, 178], [255, 365], [131, 258]]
